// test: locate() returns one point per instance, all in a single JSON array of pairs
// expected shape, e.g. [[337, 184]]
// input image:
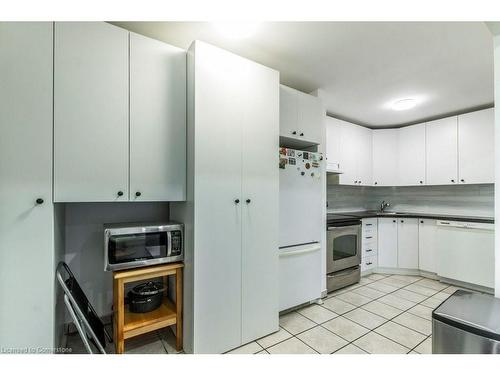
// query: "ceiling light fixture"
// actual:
[[403, 104], [236, 30]]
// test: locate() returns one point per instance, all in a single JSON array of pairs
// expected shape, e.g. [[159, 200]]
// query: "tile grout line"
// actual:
[[387, 320]]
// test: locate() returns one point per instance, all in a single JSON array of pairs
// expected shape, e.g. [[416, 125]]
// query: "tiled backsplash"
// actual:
[[476, 200]]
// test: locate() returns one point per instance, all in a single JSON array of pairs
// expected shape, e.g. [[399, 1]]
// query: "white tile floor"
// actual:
[[380, 314]]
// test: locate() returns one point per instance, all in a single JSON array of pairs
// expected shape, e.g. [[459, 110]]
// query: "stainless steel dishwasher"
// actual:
[[467, 323]]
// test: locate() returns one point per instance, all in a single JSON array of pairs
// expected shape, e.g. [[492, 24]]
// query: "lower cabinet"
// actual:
[[427, 248], [398, 243], [408, 243], [387, 243], [369, 245]]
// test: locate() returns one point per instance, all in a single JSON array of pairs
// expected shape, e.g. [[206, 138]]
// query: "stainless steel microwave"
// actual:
[[134, 245]]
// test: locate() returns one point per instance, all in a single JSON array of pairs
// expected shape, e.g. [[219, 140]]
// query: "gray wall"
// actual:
[[476, 200], [84, 242]]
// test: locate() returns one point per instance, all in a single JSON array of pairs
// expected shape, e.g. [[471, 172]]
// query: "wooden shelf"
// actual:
[[127, 324], [139, 323]]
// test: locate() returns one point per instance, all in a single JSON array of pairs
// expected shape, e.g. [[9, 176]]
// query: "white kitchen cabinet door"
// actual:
[[333, 144], [408, 243], [442, 152], [26, 228], [411, 155], [217, 305], [476, 147], [289, 105], [387, 242], [259, 199], [90, 112], [157, 120], [349, 149], [427, 248], [310, 118], [365, 155], [385, 157]]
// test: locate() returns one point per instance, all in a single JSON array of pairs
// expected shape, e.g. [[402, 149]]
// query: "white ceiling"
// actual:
[[362, 66]]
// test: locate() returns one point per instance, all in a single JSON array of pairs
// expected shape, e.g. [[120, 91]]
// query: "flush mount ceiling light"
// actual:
[[404, 104], [236, 30]]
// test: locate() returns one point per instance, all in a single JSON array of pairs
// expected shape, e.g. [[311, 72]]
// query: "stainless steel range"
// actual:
[[343, 252]]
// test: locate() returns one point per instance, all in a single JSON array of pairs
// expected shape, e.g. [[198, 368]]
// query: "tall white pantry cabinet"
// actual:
[[26, 211], [231, 213]]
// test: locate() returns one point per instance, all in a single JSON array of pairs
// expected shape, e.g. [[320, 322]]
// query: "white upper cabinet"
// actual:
[[442, 151], [364, 156], [408, 243], [301, 116], [157, 120], [349, 142], [385, 152], [411, 155], [476, 147], [355, 153], [311, 118], [333, 144], [289, 104], [90, 112]]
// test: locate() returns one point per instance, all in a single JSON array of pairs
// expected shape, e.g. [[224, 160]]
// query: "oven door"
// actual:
[[344, 247]]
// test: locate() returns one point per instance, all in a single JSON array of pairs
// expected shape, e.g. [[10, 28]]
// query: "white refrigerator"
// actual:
[[300, 227]]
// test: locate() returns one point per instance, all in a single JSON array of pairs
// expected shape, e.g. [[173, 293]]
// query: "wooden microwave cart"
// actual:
[[127, 324]]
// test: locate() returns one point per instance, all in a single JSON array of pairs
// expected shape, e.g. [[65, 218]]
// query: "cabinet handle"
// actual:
[[120, 193], [301, 134], [369, 263], [402, 221], [137, 193], [248, 201], [453, 181], [462, 180], [375, 183], [421, 221], [236, 201], [359, 182], [421, 182], [368, 250], [355, 182], [394, 221], [294, 132], [368, 224], [368, 237], [39, 201]]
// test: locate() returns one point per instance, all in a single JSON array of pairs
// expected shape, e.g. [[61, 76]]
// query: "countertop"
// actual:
[[341, 216]]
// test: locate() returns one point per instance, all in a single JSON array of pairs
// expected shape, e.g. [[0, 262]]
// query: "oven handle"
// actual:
[[343, 227]]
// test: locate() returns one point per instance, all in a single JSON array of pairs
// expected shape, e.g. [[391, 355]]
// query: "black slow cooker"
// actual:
[[145, 297]]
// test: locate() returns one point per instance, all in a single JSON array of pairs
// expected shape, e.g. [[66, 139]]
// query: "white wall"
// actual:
[[84, 241], [497, 164]]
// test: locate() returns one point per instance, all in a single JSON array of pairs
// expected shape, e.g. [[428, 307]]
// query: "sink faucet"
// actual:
[[384, 205]]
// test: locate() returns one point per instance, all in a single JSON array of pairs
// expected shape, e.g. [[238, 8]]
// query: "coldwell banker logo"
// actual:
[[36, 350]]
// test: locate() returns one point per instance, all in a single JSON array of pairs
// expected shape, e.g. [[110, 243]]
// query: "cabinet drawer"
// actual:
[[368, 263], [370, 223], [368, 252]]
